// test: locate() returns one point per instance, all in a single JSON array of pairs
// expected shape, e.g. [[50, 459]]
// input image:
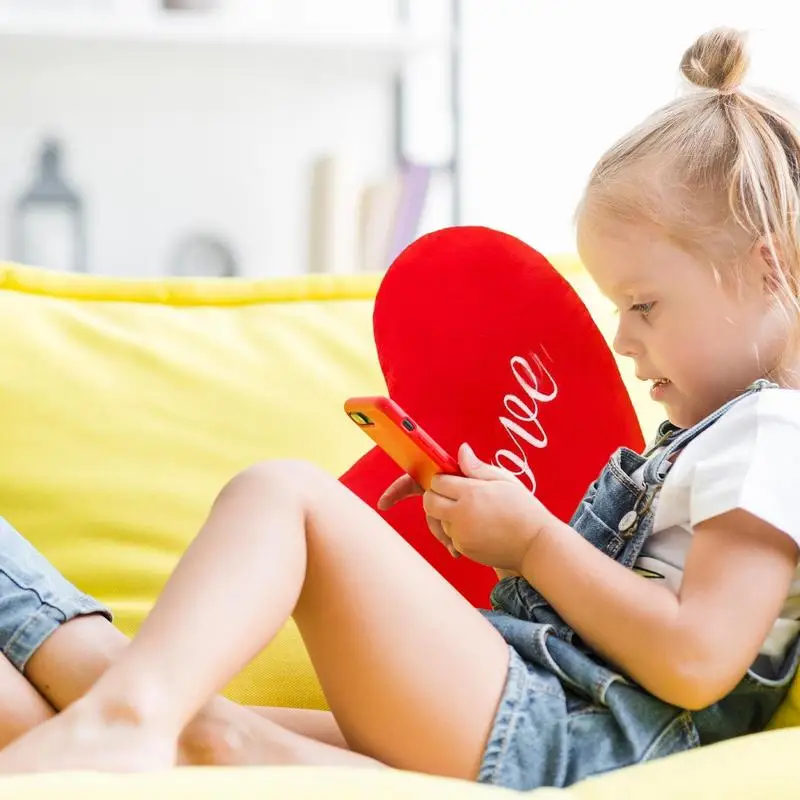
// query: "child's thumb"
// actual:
[[472, 466]]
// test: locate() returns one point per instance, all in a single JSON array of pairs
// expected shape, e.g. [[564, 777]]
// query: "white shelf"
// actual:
[[389, 49]]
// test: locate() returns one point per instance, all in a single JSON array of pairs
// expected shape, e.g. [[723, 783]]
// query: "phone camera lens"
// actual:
[[408, 424]]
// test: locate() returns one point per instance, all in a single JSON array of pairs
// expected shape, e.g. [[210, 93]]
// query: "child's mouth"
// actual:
[[658, 388]]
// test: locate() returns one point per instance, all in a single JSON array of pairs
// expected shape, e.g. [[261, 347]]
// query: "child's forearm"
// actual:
[[631, 621]]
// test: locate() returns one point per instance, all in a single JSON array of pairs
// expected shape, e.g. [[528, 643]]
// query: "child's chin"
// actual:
[[675, 414], [680, 417]]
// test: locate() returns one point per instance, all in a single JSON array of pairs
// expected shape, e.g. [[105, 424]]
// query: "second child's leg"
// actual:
[[412, 672], [21, 706]]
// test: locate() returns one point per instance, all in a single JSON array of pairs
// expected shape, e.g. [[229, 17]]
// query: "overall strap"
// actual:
[[655, 471]]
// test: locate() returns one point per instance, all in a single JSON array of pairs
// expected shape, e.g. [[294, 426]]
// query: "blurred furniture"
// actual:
[[179, 122]]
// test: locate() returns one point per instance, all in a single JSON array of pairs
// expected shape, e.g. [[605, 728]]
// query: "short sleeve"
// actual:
[[750, 459]]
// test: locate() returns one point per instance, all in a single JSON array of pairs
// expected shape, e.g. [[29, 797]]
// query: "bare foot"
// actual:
[[85, 737], [224, 737], [233, 735]]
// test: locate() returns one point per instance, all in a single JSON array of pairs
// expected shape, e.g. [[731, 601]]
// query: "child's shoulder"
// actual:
[[757, 439], [768, 404], [746, 459], [765, 422]]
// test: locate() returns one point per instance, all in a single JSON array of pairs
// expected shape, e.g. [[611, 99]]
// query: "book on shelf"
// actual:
[[335, 198], [362, 228]]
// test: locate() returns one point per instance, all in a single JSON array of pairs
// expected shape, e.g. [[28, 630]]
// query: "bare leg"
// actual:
[[272, 736], [21, 706], [318, 725], [71, 660], [412, 672]]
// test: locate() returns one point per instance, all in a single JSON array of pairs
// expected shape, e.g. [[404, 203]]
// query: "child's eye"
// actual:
[[642, 308]]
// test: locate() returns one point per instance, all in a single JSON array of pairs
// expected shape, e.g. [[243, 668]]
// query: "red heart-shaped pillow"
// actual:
[[481, 340]]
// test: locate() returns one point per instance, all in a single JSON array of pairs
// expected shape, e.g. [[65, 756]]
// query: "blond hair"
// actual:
[[726, 163]]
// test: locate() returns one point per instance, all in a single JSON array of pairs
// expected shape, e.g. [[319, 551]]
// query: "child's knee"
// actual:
[[289, 478]]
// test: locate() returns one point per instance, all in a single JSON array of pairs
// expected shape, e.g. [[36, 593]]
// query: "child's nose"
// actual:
[[624, 344]]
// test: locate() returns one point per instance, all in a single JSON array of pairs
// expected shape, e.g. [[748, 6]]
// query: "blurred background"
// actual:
[[279, 137]]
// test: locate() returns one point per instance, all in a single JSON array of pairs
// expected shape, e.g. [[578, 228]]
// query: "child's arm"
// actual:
[[690, 649]]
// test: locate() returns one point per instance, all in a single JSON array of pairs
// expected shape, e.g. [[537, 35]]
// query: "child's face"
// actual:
[[699, 340]]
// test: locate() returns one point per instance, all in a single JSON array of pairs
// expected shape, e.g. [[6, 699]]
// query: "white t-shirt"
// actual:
[[748, 459]]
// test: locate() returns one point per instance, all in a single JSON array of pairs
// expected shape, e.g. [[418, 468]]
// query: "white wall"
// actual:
[[549, 85], [157, 155], [164, 141]]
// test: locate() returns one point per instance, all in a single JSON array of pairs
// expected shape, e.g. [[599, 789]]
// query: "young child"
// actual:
[[664, 617]]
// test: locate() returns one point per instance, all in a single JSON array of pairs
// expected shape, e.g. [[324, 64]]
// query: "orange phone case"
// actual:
[[413, 450]]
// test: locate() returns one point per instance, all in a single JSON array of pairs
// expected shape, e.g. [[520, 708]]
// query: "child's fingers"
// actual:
[[403, 488], [438, 531], [437, 512], [437, 505]]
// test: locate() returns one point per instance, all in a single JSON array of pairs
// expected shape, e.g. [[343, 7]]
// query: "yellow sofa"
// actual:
[[124, 407]]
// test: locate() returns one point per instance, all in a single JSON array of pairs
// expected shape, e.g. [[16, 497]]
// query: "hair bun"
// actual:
[[717, 60]]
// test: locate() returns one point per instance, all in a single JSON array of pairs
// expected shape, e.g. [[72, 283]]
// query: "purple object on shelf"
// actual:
[[415, 181]]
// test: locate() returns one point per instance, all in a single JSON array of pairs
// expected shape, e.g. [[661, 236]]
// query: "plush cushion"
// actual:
[[503, 354], [125, 406], [751, 768]]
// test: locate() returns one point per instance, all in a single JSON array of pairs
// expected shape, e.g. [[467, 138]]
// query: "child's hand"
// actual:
[[488, 515]]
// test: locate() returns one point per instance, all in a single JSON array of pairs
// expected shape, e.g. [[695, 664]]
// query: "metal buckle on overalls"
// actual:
[[631, 519], [628, 524]]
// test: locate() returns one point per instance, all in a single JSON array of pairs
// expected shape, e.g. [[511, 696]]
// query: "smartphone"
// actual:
[[413, 450]]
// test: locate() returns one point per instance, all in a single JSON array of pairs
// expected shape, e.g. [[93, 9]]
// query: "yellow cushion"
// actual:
[[761, 767], [285, 783], [751, 768], [125, 406]]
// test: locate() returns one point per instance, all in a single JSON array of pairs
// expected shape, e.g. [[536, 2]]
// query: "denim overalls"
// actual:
[[565, 714]]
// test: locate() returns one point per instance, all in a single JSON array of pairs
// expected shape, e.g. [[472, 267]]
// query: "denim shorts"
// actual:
[[545, 734], [565, 716], [35, 599]]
